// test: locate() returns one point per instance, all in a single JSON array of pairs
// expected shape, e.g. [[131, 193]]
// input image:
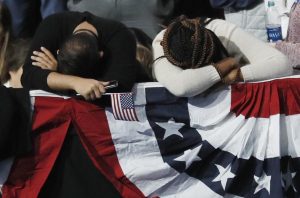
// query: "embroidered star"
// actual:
[[225, 174], [171, 128], [263, 182], [190, 156]]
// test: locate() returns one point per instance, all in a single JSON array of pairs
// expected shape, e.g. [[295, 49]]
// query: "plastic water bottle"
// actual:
[[273, 23]]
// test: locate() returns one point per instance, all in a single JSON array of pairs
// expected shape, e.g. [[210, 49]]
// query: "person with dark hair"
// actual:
[[14, 60], [189, 53], [79, 56], [83, 41], [192, 55], [76, 52]]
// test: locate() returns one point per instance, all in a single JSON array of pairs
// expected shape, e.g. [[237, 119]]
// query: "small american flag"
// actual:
[[122, 106]]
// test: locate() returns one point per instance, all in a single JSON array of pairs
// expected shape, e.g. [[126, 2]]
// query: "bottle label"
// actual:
[[274, 34]]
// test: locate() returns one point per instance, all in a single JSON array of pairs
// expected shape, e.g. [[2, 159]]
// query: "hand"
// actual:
[[272, 44], [225, 66], [233, 76], [44, 59], [90, 89]]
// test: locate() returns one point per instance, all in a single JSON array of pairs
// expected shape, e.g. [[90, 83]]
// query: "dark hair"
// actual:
[[144, 54], [188, 44], [79, 56], [5, 30], [5, 19], [15, 56]]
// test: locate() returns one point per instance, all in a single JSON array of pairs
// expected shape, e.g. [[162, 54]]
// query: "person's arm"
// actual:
[[235, 4], [183, 83], [291, 50], [90, 89], [264, 61], [49, 35], [121, 61], [46, 35]]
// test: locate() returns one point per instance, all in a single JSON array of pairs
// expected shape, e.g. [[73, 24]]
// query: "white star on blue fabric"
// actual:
[[190, 156], [225, 174], [264, 182], [171, 128]]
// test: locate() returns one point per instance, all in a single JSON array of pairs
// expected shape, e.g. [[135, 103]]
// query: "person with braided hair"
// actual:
[[192, 55]]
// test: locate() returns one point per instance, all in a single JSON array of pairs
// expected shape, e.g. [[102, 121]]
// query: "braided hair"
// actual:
[[188, 44]]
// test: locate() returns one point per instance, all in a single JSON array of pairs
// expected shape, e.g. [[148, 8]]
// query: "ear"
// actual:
[[57, 51], [101, 53]]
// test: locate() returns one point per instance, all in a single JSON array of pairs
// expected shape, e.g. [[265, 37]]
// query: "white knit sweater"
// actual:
[[262, 62]]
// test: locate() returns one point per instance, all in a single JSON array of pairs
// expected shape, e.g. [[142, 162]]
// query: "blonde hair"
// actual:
[[145, 57]]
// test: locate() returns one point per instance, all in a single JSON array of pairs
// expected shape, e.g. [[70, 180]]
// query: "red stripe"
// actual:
[[120, 113], [29, 173], [116, 106], [266, 98], [126, 114], [113, 105], [135, 116], [130, 114], [52, 118], [94, 133]]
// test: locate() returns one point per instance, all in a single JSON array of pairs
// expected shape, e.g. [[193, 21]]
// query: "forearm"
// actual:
[[277, 66], [57, 81], [34, 77], [264, 61], [185, 83]]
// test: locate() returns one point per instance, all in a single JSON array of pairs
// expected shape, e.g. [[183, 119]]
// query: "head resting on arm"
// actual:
[[80, 56], [188, 44]]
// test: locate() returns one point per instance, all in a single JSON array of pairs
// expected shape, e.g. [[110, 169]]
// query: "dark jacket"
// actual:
[[119, 49], [15, 124]]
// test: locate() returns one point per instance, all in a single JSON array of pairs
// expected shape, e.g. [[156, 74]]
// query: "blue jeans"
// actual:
[[27, 14]]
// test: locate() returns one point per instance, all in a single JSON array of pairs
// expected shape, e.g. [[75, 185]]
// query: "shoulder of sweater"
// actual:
[[219, 23]]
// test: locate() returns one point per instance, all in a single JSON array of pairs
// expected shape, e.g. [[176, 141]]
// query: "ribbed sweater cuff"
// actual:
[[214, 75], [247, 73]]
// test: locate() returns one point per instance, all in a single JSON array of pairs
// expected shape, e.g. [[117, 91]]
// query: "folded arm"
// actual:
[[264, 61], [183, 83]]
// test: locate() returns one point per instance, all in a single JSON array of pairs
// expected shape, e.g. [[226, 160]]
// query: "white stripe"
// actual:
[[128, 111], [141, 162], [140, 158], [259, 137]]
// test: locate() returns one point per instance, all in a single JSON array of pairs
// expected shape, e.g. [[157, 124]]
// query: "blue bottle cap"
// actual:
[[271, 3]]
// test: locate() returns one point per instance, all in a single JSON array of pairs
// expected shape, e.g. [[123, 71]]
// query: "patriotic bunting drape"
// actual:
[[237, 141]]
